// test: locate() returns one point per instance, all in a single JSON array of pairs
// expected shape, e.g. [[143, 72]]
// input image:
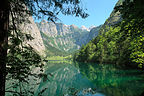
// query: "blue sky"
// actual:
[[99, 11]]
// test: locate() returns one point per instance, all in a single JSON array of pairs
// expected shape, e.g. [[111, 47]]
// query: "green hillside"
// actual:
[[121, 38], [50, 50]]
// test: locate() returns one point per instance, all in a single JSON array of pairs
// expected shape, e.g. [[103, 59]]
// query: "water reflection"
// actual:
[[105, 79], [64, 76], [112, 81]]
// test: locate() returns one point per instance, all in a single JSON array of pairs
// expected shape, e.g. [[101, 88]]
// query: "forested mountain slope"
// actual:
[[122, 44]]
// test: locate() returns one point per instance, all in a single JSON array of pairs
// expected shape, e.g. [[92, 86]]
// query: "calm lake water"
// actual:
[[103, 79]]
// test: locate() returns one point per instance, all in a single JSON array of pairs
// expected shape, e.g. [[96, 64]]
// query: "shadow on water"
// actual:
[[102, 78]]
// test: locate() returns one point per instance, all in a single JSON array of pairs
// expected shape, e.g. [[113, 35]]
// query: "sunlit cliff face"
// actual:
[[64, 37]]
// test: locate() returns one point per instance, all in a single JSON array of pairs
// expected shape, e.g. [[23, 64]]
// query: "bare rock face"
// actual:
[[114, 17], [65, 37], [61, 36], [49, 28], [48, 36], [94, 32], [32, 29]]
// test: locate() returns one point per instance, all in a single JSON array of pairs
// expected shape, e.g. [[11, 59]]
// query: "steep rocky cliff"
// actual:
[[57, 38], [64, 37], [37, 42], [113, 19]]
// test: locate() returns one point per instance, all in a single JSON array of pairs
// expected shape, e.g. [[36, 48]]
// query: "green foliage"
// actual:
[[114, 46], [22, 58], [100, 49], [59, 58], [123, 44], [133, 28], [137, 48]]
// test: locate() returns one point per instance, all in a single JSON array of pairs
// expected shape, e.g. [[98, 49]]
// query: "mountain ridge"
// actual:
[[66, 38]]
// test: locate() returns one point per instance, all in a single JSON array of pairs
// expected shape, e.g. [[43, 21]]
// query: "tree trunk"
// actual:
[[4, 26]]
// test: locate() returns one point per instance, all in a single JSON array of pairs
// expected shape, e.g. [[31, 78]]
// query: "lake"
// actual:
[[85, 79]]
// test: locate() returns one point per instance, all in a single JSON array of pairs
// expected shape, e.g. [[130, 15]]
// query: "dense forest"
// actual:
[[121, 43]]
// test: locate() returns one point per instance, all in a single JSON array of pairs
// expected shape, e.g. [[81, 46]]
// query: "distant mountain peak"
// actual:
[[43, 21], [91, 27], [65, 38], [87, 29], [74, 26], [84, 28]]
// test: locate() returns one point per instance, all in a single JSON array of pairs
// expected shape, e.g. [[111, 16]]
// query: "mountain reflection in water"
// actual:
[[69, 79]]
